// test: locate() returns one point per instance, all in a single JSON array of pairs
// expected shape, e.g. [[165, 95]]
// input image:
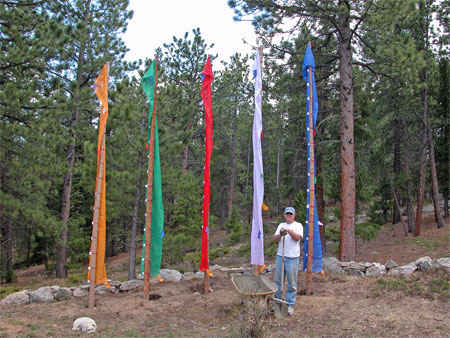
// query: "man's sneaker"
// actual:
[[290, 310]]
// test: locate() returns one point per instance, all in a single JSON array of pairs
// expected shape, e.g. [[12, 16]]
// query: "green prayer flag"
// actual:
[[157, 233]]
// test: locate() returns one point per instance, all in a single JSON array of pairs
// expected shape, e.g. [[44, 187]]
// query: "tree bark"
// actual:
[[396, 214], [137, 203], [233, 162], [407, 197], [61, 247], [434, 181], [347, 249], [423, 159]]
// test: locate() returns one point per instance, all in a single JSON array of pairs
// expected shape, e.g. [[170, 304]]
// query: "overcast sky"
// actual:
[[156, 22]]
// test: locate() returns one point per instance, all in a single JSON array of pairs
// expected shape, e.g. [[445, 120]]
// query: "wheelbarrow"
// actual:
[[254, 285], [260, 286]]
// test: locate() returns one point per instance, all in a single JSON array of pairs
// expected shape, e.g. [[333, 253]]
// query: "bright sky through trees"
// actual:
[[156, 22]]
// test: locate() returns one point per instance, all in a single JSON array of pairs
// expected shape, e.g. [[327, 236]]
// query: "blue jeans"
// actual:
[[290, 273]]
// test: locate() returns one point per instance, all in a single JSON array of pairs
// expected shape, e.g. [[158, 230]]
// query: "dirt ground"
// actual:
[[341, 306]]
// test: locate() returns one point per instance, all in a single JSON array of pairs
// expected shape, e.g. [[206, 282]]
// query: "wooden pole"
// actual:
[[311, 188], [148, 213], [98, 195]]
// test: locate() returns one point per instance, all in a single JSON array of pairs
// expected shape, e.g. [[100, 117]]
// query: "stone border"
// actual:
[[331, 265]]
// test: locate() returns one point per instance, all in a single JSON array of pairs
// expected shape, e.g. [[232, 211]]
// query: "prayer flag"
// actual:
[[101, 90], [207, 102], [308, 64], [257, 235], [157, 219]]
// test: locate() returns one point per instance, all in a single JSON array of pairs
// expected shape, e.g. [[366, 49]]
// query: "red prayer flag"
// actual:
[[207, 102]]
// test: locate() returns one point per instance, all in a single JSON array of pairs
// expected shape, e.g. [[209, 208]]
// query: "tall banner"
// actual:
[[98, 239], [157, 218], [309, 65], [207, 102], [257, 235]]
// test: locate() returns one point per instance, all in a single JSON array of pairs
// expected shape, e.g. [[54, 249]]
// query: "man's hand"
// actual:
[[283, 232]]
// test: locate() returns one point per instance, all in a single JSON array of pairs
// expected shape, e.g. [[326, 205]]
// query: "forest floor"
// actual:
[[341, 306]]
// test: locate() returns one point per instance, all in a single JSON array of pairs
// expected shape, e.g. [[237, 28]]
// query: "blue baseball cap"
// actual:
[[289, 209]]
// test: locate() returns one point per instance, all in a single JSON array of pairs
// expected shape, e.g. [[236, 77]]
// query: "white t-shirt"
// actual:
[[291, 247]]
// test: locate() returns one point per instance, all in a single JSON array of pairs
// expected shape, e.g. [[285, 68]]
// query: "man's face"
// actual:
[[289, 217]]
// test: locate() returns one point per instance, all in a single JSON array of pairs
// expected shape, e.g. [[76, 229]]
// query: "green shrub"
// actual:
[[333, 233], [300, 206], [7, 291], [367, 230], [8, 277]]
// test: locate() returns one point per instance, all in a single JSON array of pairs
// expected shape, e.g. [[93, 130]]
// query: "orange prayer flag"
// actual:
[[101, 87]]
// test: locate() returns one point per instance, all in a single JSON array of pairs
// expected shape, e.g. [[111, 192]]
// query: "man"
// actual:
[[293, 232]]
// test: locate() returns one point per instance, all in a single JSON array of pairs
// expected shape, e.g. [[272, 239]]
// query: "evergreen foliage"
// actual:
[[52, 51]]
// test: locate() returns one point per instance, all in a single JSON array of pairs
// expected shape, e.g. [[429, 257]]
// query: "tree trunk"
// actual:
[[233, 162], [445, 195], [423, 159], [407, 197], [61, 247], [396, 215], [434, 181], [184, 163], [137, 203], [278, 211], [347, 249]]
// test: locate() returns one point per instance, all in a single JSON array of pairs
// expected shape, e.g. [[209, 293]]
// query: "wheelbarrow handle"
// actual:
[[279, 300]]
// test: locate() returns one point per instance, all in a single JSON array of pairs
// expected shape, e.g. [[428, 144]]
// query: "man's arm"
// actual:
[[295, 236]]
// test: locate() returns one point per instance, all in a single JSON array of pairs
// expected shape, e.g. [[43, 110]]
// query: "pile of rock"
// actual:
[[332, 265]]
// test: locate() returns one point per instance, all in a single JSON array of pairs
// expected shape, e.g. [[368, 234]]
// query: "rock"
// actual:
[[404, 269], [79, 293], [171, 275], [199, 274], [332, 265], [424, 263], [188, 275], [85, 287], [355, 272], [376, 270], [444, 264], [131, 285], [85, 325], [218, 270], [115, 283], [357, 266], [62, 294], [271, 268], [390, 264], [21, 297], [42, 295], [101, 290], [249, 271]]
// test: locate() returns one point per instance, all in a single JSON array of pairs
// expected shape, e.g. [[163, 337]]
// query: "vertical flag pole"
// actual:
[[94, 240], [148, 212], [311, 187]]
